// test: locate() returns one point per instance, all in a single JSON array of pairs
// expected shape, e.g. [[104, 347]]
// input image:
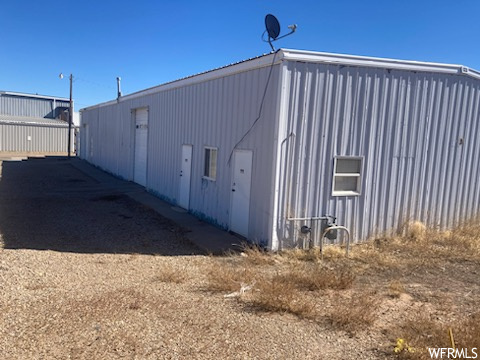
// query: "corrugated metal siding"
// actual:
[[418, 134], [32, 107], [31, 120], [215, 113], [43, 138]]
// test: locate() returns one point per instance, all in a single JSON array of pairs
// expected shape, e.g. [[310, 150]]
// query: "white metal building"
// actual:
[[32, 123], [297, 134], [32, 135]]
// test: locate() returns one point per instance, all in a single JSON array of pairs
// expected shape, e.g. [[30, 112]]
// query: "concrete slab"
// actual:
[[20, 156], [207, 237], [49, 204], [12, 158]]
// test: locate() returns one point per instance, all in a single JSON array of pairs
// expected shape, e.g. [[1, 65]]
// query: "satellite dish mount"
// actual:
[[273, 30]]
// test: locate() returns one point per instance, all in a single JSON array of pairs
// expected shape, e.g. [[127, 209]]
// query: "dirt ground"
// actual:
[[90, 274]]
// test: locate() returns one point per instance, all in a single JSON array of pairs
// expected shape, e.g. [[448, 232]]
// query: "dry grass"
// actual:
[[396, 288], [470, 332], [255, 255], [420, 247], [465, 237], [168, 274], [330, 253], [285, 292], [277, 295], [423, 333], [318, 276], [299, 281], [282, 288], [311, 255], [330, 301], [415, 231], [227, 277], [355, 313]]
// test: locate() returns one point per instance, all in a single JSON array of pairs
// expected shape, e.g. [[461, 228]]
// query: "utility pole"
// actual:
[[70, 116], [70, 119]]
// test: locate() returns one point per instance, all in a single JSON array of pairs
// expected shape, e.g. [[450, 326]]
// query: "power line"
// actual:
[[259, 110], [94, 83]]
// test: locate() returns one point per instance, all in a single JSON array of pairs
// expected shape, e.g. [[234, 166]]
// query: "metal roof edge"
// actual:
[[357, 60], [14, 93], [298, 55], [227, 70], [31, 120], [34, 124]]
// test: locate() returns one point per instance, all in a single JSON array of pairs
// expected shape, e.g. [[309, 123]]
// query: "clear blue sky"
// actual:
[[151, 42]]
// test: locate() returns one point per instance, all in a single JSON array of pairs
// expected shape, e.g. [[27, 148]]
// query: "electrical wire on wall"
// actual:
[[259, 110]]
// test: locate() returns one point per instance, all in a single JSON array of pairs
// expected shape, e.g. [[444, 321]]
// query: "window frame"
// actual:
[[208, 176], [357, 175]]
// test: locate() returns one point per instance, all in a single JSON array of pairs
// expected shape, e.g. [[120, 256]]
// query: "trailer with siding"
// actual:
[[32, 123], [253, 146], [33, 135]]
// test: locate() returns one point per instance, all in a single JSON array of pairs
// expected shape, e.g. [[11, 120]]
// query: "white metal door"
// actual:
[[185, 175], [242, 177], [141, 137]]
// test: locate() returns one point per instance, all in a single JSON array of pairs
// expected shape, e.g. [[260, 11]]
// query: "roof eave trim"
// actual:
[[260, 62], [299, 55], [365, 61], [34, 124], [56, 98]]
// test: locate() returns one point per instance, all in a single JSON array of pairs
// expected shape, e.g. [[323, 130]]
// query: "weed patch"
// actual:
[[223, 277], [276, 295], [423, 333], [355, 313], [317, 276], [396, 288], [254, 255], [167, 274]]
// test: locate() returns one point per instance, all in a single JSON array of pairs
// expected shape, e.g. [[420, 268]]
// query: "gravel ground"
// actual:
[[79, 278], [47, 204], [90, 274], [103, 306]]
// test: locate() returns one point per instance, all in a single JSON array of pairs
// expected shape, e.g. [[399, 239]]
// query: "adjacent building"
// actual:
[[33, 123], [254, 146]]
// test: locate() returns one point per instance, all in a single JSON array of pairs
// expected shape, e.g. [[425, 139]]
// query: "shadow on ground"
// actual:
[[48, 204]]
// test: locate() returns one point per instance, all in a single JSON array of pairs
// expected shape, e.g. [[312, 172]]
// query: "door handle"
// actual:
[[233, 189]]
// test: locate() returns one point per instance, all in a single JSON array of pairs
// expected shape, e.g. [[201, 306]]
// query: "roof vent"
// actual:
[[119, 89]]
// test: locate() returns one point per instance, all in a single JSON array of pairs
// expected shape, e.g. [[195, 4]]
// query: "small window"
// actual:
[[347, 176], [210, 170]]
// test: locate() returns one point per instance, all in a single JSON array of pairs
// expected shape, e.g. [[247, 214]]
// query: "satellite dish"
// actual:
[[273, 30], [272, 25]]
